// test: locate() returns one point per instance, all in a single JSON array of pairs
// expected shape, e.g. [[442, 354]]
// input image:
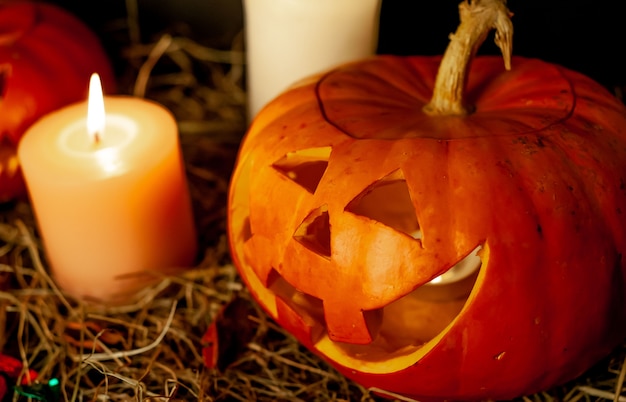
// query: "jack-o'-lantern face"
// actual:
[[349, 287], [433, 257]]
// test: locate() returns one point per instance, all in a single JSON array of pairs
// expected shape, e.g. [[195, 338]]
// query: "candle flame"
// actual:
[[95, 109]]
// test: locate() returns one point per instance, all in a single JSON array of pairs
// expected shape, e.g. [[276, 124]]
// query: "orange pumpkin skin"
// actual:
[[536, 175], [46, 58]]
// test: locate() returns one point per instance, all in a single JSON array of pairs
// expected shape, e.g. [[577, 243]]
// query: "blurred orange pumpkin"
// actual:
[[46, 58], [432, 250]]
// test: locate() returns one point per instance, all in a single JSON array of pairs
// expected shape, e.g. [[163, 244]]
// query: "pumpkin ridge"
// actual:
[[578, 128], [400, 80], [324, 110], [591, 187]]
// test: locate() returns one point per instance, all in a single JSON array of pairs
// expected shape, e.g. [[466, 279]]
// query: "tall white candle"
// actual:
[[287, 40]]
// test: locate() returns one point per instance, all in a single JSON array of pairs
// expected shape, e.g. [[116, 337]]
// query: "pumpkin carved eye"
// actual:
[[305, 167], [388, 201]]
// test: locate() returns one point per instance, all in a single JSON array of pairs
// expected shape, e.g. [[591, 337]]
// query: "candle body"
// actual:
[[287, 40], [120, 207]]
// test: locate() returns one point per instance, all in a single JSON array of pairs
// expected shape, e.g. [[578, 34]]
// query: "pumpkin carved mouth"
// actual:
[[399, 330]]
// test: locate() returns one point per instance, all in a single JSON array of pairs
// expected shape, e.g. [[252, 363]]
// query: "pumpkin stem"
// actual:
[[478, 17]]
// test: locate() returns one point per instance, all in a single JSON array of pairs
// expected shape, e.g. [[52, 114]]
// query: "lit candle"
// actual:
[[109, 194], [287, 40]]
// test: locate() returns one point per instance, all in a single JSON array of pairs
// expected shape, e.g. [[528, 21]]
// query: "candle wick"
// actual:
[[96, 137]]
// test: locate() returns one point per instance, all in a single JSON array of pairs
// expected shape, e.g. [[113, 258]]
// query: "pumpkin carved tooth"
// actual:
[[400, 327]]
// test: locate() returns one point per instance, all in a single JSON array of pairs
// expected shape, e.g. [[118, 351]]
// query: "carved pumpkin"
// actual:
[[46, 58], [355, 196]]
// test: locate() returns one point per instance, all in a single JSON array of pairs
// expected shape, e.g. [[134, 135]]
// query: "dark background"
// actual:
[[584, 35]]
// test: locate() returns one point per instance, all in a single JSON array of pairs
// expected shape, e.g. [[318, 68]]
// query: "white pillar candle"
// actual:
[[287, 40], [111, 204]]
